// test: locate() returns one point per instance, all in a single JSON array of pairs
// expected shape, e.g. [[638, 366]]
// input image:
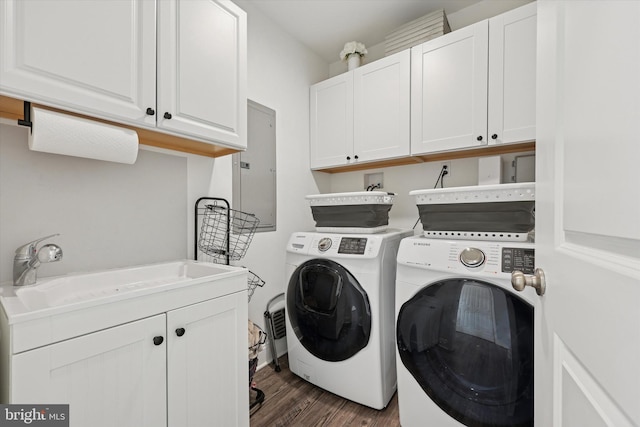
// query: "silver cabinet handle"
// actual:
[[519, 281]]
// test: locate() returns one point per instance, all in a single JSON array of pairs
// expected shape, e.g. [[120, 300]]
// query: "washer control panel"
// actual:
[[352, 245]]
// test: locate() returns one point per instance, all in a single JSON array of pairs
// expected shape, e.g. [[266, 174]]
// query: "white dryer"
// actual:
[[464, 335], [340, 312]]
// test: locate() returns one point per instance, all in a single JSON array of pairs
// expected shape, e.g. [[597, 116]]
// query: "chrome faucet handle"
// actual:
[[49, 253], [28, 250]]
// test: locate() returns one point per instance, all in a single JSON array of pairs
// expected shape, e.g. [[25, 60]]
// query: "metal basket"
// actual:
[[253, 281], [222, 226]]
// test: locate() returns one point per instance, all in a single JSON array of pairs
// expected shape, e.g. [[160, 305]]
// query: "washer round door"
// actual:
[[328, 310], [469, 344]]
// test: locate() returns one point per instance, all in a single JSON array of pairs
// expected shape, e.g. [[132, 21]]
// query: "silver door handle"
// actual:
[[519, 281]]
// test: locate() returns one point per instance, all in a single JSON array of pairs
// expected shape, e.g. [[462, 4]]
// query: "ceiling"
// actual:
[[325, 25]]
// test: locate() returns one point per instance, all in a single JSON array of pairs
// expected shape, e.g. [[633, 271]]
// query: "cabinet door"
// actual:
[[512, 76], [91, 56], [115, 377], [207, 373], [331, 109], [381, 108], [449, 91], [202, 70]]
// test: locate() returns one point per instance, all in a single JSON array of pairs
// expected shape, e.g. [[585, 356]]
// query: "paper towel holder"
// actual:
[[27, 116]]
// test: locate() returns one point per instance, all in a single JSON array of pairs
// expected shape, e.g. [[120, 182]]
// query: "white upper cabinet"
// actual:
[[331, 125], [95, 56], [362, 115], [202, 69], [476, 86], [512, 76], [381, 108], [99, 58], [449, 91]]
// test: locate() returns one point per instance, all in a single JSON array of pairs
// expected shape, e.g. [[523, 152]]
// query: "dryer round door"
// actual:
[[469, 344], [328, 310]]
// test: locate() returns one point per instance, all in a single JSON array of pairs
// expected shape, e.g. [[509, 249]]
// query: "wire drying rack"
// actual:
[[223, 235]]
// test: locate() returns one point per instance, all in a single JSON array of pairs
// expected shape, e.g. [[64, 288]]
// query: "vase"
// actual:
[[353, 61]]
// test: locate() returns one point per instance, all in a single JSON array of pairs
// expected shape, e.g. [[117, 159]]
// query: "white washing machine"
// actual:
[[340, 312], [464, 336]]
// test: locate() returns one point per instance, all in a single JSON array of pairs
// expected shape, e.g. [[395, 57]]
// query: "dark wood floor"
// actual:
[[291, 401]]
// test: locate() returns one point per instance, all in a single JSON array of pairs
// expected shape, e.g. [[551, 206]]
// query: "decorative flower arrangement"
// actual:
[[352, 48]]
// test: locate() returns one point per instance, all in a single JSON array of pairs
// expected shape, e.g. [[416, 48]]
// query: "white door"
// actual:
[[512, 76], [381, 108], [449, 91], [111, 378], [588, 214], [92, 56], [208, 363], [202, 69], [331, 123]]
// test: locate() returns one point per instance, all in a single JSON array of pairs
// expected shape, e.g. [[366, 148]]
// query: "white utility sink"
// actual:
[[81, 287], [55, 309]]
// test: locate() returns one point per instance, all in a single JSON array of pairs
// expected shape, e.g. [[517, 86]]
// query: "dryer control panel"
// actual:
[[481, 258], [520, 259]]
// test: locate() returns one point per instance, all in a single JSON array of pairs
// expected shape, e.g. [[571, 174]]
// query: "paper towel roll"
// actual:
[[58, 133]]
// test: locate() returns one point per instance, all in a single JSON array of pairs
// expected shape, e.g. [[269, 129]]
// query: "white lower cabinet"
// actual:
[[207, 360], [114, 377], [183, 368]]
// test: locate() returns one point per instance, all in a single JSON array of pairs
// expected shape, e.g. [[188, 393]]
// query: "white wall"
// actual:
[[108, 214]]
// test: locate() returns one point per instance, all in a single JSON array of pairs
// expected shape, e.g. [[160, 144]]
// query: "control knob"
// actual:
[[324, 244], [472, 257]]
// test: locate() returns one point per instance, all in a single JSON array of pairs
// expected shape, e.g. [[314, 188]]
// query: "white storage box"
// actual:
[[417, 32], [485, 212], [356, 212]]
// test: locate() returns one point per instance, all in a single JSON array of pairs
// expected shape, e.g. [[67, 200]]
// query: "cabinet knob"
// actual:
[[494, 136], [479, 138], [180, 332], [150, 111], [348, 157], [158, 340], [167, 115], [355, 157]]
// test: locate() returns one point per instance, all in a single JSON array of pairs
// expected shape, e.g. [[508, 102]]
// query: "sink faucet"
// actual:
[[28, 259]]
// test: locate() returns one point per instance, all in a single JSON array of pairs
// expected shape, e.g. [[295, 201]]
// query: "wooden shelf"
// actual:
[[490, 150], [13, 109]]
